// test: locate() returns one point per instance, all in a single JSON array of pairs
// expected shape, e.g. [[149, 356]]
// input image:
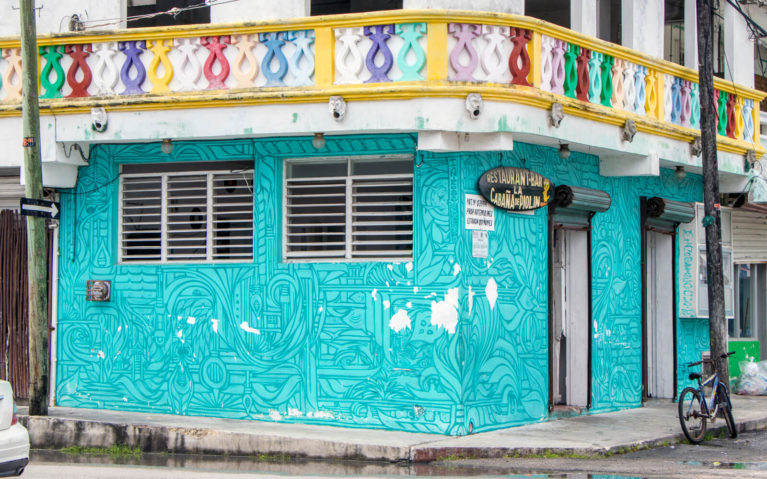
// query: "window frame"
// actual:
[[210, 171], [348, 253]]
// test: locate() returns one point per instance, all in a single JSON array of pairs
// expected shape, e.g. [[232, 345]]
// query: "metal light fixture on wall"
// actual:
[[318, 142], [564, 151], [166, 146], [680, 173]]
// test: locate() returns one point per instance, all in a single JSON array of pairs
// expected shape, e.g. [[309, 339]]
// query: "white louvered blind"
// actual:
[[356, 208], [186, 215]]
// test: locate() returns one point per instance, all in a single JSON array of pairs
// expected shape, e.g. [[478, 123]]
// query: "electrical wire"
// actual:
[[82, 193], [175, 11], [749, 20]]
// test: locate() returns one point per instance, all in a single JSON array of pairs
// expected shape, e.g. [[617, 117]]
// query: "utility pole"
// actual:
[[717, 324], [36, 250]]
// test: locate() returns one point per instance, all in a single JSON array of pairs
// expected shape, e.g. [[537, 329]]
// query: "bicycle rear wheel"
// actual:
[[690, 415]]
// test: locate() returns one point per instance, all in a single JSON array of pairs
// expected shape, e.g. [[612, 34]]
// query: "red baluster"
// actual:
[[519, 60], [716, 116], [79, 53], [582, 89], [216, 46], [731, 100]]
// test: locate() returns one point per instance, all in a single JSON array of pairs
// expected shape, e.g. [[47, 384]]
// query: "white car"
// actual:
[[14, 438]]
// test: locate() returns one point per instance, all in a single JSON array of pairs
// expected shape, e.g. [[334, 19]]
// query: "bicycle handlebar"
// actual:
[[723, 356]]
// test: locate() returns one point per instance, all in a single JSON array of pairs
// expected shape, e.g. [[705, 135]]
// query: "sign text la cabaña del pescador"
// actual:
[[515, 189]]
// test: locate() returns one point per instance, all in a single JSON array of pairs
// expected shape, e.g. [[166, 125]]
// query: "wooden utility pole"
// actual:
[[717, 323], [36, 251]]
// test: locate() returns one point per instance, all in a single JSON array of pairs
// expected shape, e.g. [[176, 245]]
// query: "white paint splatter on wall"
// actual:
[[491, 291], [374, 293], [444, 314], [400, 321], [456, 269], [246, 327], [215, 325], [471, 298], [386, 304], [409, 266], [415, 289], [191, 320]]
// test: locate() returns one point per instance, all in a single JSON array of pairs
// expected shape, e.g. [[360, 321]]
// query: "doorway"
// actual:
[[570, 339], [659, 306], [659, 224]]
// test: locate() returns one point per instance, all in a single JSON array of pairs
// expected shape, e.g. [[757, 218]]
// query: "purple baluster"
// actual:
[[379, 34], [132, 50], [464, 33]]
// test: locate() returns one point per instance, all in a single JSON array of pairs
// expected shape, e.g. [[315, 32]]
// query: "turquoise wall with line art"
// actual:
[[325, 353]]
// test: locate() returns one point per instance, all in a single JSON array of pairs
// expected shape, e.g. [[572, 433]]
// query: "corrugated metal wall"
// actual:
[[14, 319], [14, 333], [749, 236]]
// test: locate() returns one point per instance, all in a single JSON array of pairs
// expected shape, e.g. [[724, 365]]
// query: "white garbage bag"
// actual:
[[753, 379]]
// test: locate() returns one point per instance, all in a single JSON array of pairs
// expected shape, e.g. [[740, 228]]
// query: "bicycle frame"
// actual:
[[711, 407]]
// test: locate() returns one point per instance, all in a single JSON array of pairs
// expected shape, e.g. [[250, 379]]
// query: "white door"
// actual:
[[570, 344], [660, 315]]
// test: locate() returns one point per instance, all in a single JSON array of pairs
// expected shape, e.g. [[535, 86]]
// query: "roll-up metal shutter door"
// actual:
[[574, 206], [10, 192], [749, 237], [665, 215]]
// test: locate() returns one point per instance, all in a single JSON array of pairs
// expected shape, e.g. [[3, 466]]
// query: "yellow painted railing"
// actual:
[[382, 55]]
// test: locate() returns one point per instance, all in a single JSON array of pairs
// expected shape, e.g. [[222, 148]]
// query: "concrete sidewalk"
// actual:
[[651, 425]]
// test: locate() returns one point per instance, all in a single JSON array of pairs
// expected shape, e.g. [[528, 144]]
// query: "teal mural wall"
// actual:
[[171, 340]]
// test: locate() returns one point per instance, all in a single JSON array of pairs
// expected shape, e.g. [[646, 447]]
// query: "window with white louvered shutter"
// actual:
[[186, 212], [349, 208]]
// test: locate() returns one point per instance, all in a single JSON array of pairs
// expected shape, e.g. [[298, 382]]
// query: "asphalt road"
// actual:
[[744, 457]]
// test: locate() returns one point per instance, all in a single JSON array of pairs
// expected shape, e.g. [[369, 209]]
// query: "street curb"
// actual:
[[47, 432], [57, 433], [436, 453]]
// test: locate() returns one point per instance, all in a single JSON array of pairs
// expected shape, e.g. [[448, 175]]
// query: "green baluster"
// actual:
[[411, 34], [52, 56], [571, 69], [721, 108], [607, 80]]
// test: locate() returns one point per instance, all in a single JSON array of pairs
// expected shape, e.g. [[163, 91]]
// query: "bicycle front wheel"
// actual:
[[691, 415]]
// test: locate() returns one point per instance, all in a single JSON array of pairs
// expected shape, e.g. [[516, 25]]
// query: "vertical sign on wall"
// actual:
[[688, 248], [480, 217]]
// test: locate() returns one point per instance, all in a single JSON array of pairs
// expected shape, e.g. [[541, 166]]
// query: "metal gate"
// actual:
[[14, 320]]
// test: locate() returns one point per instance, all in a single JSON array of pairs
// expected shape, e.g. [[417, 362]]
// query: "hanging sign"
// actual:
[[515, 189]]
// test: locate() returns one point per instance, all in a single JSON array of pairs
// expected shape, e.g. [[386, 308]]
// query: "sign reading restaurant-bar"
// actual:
[[515, 189]]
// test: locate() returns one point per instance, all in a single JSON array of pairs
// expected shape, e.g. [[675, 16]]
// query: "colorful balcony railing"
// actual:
[[509, 56]]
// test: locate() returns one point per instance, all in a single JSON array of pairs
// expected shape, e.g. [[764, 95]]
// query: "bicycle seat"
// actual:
[[694, 376]]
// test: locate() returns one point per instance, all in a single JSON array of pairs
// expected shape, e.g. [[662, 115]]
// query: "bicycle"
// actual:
[[695, 410]]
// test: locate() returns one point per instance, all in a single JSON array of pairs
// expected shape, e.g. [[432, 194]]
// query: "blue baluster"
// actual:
[[274, 42]]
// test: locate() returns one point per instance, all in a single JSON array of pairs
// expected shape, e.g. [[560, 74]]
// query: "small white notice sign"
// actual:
[[480, 215], [479, 244]]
